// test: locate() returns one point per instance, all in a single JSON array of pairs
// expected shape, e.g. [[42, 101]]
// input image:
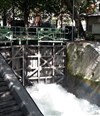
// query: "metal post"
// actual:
[[53, 52], [73, 21], [39, 62], [23, 76], [13, 10]]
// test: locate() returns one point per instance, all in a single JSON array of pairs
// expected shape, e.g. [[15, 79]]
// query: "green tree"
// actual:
[[79, 6], [5, 5], [24, 6]]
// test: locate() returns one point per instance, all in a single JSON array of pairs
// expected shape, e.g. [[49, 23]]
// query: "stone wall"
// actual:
[[83, 70], [84, 60]]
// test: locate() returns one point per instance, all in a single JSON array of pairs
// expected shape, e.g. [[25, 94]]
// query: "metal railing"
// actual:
[[5, 33], [34, 33]]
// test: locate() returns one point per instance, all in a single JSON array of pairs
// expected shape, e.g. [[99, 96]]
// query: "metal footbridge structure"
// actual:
[[34, 54], [32, 33]]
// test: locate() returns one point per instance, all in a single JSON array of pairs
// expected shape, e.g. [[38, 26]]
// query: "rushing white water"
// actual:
[[53, 100]]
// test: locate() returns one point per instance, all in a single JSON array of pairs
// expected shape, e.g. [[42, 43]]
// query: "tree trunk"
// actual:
[[26, 15], [76, 17], [26, 12], [4, 17]]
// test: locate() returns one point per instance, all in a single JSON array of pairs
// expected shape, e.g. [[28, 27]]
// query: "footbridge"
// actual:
[[35, 54]]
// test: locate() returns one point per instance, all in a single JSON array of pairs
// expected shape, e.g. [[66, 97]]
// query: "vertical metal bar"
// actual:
[[53, 65], [13, 10], [73, 22], [11, 55], [39, 62], [23, 70]]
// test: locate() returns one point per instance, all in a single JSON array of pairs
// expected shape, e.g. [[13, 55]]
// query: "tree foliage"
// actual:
[[50, 6], [5, 4], [80, 7]]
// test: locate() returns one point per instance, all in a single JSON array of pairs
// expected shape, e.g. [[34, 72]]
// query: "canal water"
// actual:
[[54, 100]]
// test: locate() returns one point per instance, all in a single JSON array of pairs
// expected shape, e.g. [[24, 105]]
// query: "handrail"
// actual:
[[34, 33]]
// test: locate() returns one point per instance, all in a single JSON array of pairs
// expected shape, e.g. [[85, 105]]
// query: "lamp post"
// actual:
[[73, 21]]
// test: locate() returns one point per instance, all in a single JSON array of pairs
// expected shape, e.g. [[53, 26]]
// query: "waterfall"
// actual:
[[54, 100]]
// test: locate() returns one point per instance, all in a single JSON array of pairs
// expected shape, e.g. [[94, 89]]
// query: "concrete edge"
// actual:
[[22, 97]]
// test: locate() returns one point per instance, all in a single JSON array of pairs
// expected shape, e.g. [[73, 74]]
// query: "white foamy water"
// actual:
[[53, 100]]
